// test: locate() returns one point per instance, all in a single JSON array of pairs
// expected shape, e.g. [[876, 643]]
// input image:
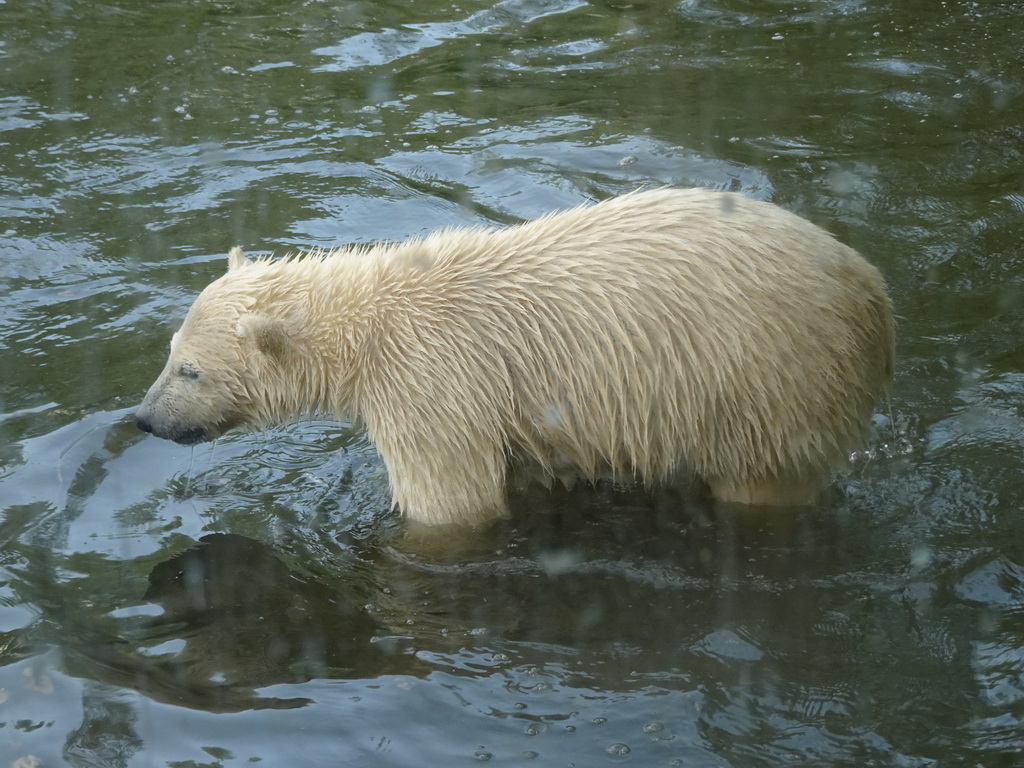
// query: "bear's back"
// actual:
[[659, 332]]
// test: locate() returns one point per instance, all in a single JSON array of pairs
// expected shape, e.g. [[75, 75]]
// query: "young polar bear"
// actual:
[[660, 336]]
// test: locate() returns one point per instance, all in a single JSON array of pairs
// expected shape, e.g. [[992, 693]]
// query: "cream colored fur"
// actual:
[[656, 336]]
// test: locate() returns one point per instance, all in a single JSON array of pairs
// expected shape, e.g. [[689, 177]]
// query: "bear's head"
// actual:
[[219, 362]]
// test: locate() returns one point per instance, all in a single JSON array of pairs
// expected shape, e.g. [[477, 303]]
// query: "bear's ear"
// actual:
[[236, 259], [268, 334]]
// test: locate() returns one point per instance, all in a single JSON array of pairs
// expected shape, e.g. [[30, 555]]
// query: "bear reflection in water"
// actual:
[[235, 619], [659, 337]]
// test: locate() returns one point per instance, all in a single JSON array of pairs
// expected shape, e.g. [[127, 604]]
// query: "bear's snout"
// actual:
[[154, 418], [183, 435]]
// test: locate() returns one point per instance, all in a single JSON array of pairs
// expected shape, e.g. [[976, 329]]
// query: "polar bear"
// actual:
[[661, 337]]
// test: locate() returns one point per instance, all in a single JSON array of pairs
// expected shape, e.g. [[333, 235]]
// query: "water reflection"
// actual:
[[234, 619]]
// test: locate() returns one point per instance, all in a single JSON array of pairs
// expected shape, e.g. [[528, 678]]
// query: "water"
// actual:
[[256, 603]]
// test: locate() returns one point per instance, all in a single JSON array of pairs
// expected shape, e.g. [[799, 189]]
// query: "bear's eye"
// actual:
[[189, 371]]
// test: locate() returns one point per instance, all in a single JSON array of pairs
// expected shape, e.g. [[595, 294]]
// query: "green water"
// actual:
[[246, 603]]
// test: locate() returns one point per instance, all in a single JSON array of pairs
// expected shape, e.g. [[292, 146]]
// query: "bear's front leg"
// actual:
[[437, 479]]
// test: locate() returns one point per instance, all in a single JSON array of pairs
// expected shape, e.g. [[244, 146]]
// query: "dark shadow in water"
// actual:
[[614, 574], [236, 619], [597, 569]]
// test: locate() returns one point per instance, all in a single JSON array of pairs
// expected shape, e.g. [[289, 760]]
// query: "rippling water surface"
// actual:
[[252, 601]]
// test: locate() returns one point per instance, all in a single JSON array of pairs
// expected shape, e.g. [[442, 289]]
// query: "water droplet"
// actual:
[[921, 557]]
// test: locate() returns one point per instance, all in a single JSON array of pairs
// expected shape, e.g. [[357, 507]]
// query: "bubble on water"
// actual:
[[536, 729], [617, 750], [654, 727], [627, 161], [570, 729], [599, 720], [482, 756], [519, 705], [530, 755]]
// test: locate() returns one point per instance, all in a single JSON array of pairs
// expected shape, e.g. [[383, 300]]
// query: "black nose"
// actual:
[[144, 425]]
